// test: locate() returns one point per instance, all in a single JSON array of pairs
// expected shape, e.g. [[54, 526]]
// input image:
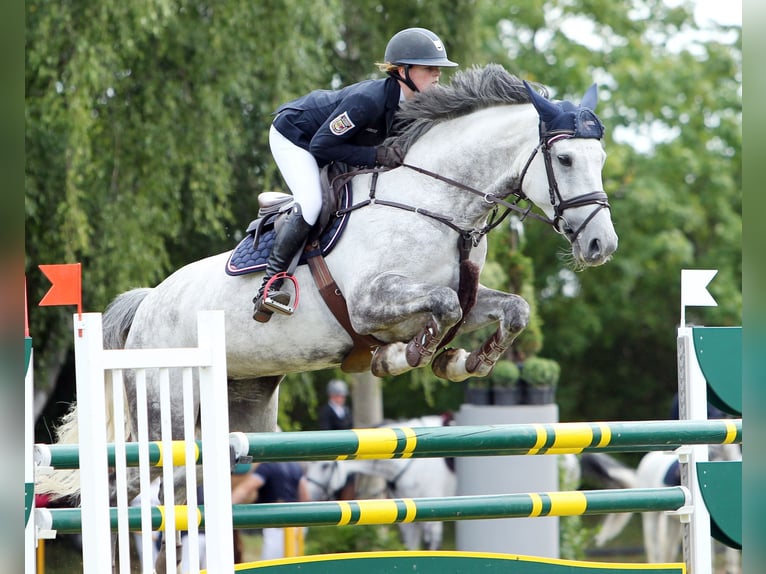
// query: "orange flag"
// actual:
[[66, 285]]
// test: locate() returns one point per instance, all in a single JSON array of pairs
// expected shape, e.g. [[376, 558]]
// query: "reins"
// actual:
[[559, 205], [474, 234]]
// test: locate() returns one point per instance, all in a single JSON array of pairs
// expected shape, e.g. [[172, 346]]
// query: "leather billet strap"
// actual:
[[359, 358]]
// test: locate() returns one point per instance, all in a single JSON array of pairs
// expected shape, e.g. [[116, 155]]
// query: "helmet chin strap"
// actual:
[[406, 80]]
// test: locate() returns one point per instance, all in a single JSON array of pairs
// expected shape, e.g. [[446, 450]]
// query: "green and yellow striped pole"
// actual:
[[393, 511], [406, 442]]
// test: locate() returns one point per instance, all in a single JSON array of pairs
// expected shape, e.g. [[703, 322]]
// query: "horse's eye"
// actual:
[[565, 160]]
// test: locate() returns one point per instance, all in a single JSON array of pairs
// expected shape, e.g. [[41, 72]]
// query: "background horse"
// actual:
[[434, 477], [403, 477], [400, 259], [662, 532]]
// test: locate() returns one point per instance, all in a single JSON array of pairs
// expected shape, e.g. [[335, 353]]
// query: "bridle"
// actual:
[[559, 222]]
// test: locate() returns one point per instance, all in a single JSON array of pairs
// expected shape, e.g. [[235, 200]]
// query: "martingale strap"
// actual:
[[359, 358]]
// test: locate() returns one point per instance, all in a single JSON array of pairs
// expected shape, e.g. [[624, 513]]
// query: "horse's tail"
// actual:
[[116, 323], [606, 469], [118, 317]]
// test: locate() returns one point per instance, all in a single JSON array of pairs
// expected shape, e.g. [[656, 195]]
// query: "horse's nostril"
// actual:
[[594, 249]]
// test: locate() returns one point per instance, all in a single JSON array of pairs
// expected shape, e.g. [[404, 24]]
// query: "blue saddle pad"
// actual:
[[247, 258]]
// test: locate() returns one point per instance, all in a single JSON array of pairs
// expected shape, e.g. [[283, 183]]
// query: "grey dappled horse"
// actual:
[[473, 148]]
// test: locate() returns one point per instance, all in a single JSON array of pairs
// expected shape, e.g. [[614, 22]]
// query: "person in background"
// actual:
[[347, 125], [272, 482], [335, 414]]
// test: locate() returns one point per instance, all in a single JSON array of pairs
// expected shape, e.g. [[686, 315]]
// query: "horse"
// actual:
[[408, 263], [662, 532], [404, 478]]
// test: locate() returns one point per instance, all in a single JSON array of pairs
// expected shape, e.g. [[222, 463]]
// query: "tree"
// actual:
[[145, 140], [147, 128], [672, 109]]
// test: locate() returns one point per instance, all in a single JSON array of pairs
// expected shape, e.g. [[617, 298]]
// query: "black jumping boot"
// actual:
[[290, 237]]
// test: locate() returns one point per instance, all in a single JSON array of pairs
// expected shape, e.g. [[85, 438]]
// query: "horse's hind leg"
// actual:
[[511, 313]]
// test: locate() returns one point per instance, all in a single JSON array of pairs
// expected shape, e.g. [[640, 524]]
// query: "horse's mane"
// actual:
[[470, 90]]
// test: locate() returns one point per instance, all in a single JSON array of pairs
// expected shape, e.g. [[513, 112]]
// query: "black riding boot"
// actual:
[[289, 238]]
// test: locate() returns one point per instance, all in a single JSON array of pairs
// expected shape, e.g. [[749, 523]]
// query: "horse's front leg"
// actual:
[[399, 307], [510, 312]]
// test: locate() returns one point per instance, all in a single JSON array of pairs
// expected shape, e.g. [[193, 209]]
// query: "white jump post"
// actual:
[[692, 405], [94, 471], [30, 541], [95, 366]]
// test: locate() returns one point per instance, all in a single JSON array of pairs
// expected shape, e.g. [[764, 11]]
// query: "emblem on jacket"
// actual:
[[341, 124]]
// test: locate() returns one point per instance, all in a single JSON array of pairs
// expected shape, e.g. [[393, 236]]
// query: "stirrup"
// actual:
[[267, 305], [276, 305]]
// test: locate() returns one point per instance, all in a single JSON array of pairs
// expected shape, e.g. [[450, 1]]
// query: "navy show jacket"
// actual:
[[342, 125]]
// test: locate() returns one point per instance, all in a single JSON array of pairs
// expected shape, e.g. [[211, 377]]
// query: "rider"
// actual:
[[347, 125]]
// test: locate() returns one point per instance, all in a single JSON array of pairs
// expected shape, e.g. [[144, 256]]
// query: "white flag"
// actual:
[[694, 291]]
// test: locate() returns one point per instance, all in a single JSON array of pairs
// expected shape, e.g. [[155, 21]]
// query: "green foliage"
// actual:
[[356, 538], [538, 371], [673, 134], [505, 374], [143, 120], [419, 393], [478, 383]]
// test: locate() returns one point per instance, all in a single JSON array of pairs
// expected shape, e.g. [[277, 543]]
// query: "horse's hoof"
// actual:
[[450, 365], [389, 360]]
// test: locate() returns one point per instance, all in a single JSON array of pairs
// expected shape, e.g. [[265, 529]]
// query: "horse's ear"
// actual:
[[546, 109], [590, 99]]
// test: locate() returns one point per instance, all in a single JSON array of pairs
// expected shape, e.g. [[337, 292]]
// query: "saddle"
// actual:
[[252, 253]]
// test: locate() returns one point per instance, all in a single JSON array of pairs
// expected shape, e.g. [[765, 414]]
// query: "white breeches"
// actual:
[[301, 173]]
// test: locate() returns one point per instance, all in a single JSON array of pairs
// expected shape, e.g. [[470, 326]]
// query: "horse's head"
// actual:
[[325, 479], [563, 176]]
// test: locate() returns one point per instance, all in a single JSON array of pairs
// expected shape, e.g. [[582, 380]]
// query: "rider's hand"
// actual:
[[389, 156]]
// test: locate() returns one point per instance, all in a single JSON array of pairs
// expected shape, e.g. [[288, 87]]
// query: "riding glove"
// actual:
[[389, 156]]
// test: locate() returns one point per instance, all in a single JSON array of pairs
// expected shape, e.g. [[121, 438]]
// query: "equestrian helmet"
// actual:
[[337, 387], [417, 46]]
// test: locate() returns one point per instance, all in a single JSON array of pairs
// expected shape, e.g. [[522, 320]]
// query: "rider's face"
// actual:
[[424, 77]]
